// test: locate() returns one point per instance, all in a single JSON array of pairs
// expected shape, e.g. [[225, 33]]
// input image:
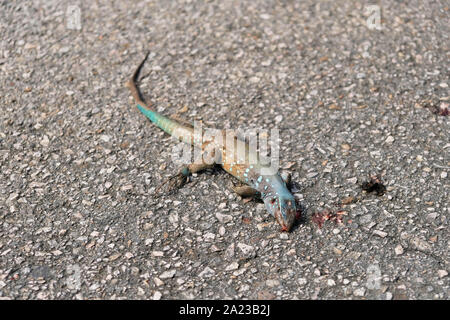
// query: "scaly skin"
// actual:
[[279, 201]]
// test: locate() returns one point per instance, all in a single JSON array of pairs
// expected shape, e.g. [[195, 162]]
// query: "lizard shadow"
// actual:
[[295, 187], [302, 219]]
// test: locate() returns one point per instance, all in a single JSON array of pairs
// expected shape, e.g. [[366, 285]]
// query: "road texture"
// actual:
[[352, 95]]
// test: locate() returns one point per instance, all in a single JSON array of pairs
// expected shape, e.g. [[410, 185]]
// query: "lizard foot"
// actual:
[[173, 183]]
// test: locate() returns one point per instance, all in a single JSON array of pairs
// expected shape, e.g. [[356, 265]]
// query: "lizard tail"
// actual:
[[131, 84], [161, 121]]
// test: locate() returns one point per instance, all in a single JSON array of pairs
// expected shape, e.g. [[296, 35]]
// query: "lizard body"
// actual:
[[279, 201]]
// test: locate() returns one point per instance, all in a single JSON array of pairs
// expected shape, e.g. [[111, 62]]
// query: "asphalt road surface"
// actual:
[[355, 89]]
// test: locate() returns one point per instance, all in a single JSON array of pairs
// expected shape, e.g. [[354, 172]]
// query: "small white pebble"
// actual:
[[157, 295], [389, 139], [284, 236], [105, 138], [126, 187], [168, 274], [233, 266], [56, 253], [141, 291], [128, 255], [254, 79], [272, 283], [442, 273], [45, 141], [157, 253], [158, 282], [398, 250], [380, 233], [360, 292]]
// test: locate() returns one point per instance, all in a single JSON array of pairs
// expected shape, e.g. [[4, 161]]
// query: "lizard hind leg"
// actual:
[[177, 118]]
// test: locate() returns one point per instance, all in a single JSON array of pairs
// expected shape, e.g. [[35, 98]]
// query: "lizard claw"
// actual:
[[173, 183]]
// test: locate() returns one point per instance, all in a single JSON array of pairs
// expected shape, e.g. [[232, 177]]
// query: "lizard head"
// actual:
[[284, 209]]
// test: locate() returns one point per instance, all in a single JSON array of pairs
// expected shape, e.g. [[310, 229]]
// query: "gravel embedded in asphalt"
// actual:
[[79, 164]]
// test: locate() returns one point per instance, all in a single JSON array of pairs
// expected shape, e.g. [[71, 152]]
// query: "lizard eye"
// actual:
[[273, 201]]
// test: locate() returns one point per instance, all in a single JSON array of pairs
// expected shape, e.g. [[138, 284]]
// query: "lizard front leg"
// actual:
[[287, 177], [245, 191], [178, 180]]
